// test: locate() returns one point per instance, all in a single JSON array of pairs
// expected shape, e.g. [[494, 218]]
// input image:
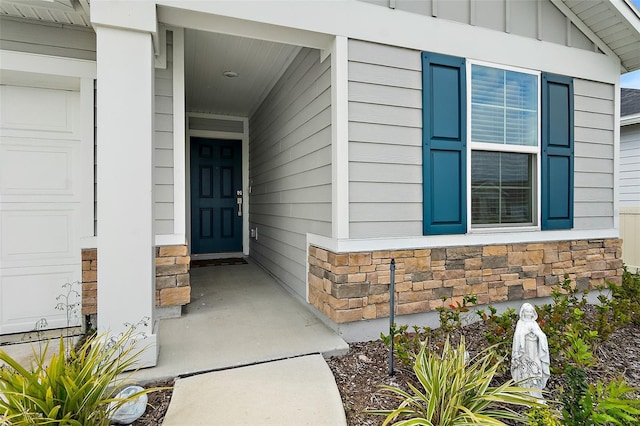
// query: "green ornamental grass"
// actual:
[[456, 391], [74, 388]]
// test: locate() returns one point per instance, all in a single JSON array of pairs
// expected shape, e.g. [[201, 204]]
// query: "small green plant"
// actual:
[[542, 416], [593, 404], [75, 387], [456, 391], [501, 329], [406, 344], [451, 317], [567, 310], [612, 404], [625, 298]]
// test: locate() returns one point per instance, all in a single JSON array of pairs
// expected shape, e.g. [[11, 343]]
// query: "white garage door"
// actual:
[[39, 204]]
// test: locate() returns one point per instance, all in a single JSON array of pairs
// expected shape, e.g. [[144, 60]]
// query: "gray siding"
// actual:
[[163, 145], [538, 19], [385, 145], [385, 141], [594, 152], [47, 38], [630, 166], [290, 168]]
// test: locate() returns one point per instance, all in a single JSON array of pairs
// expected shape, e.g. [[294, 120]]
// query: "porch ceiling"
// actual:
[[208, 56]]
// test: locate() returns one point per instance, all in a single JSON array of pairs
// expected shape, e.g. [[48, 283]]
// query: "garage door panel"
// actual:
[[40, 194], [41, 286], [38, 235], [39, 170], [34, 111]]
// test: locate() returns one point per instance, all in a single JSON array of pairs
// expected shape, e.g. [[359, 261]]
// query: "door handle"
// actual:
[[239, 201]]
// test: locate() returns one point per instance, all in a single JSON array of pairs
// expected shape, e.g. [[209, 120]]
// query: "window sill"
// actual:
[[510, 229]]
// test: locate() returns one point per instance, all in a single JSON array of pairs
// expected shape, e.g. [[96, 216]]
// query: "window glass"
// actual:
[[504, 106], [501, 188]]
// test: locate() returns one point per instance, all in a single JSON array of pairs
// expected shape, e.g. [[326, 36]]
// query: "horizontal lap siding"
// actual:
[[47, 39], [594, 154], [385, 141], [630, 166], [290, 168], [163, 146], [630, 195]]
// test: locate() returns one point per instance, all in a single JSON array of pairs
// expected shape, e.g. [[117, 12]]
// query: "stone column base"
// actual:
[[173, 287]]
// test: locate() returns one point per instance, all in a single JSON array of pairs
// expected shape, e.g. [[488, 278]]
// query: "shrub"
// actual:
[[542, 416], [74, 388], [625, 298], [407, 344], [501, 329], [456, 392]]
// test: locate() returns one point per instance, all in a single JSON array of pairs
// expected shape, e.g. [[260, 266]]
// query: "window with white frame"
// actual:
[[504, 144]]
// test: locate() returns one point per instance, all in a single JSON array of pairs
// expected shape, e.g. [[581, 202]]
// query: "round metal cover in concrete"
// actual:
[[296, 391]]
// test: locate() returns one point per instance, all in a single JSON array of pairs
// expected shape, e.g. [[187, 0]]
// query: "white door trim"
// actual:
[[246, 186]]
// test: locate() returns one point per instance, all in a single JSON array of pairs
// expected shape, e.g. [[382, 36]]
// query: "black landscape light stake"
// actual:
[[392, 294]]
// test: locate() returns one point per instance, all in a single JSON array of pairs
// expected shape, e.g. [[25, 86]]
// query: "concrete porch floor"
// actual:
[[238, 315]]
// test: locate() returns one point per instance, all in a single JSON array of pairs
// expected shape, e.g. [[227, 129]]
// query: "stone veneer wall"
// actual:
[[172, 278], [349, 287]]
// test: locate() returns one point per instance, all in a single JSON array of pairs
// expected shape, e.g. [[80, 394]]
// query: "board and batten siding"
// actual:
[[43, 38], [630, 195], [538, 19], [163, 145], [290, 168], [385, 145]]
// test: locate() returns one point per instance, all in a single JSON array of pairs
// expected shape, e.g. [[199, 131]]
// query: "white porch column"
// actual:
[[126, 252]]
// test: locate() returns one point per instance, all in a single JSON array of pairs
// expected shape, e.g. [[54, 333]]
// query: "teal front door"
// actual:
[[216, 195]]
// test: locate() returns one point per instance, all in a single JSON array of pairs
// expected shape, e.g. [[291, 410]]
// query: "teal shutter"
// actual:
[[444, 144], [557, 152]]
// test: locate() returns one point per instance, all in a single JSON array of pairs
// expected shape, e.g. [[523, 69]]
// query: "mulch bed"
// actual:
[[364, 368]]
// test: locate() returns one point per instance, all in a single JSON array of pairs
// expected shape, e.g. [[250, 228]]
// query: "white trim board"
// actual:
[[340, 137], [458, 240], [306, 23], [244, 137]]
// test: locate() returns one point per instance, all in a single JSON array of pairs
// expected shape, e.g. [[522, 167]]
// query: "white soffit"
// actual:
[[65, 12], [256, 64], [615, 22]]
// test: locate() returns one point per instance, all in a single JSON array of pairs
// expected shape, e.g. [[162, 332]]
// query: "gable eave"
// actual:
[[613, 25]]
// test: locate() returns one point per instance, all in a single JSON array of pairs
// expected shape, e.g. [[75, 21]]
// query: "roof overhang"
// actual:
[[613, 25], [630, 119]]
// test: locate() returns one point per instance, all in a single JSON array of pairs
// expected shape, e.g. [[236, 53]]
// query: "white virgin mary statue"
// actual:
[[530, 352]]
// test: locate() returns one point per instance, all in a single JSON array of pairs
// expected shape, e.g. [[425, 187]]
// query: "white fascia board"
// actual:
[[628, 11], [359, 20], [194, 18], [45, 64], [436, 241], [628, 120]]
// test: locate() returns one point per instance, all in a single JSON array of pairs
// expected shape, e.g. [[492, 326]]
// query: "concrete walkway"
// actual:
[[253, 353], [298, 391]]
